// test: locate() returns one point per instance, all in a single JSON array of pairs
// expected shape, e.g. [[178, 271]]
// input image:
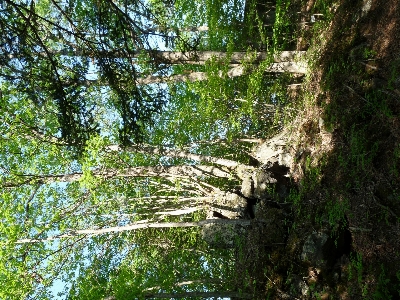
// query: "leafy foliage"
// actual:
[[74, 119]]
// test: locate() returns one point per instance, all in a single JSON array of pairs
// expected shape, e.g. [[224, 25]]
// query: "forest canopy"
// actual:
[[208, 149]]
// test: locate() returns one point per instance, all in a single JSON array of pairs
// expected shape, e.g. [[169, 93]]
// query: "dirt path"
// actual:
[[358, 96], [347, 168]]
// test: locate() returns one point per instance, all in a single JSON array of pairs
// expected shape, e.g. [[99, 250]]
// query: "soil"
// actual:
[[374, 211], [348, 141]]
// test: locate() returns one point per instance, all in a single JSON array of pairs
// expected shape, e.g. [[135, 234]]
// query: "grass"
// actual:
[[349, 186]]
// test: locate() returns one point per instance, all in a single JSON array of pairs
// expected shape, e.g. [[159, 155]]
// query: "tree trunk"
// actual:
[[176, 57], [189, 282], [285, 61], [276, 67], [177, 212], [185, 171], [154, 29], [281, 67], [147, 149], [236, 71], [134, 226], [204, 295], [234, 58]]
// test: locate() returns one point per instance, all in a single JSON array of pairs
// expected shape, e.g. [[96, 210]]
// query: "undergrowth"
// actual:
[[352, 189]]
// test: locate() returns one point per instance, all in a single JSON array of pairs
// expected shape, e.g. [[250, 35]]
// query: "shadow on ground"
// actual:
[[348, 185]]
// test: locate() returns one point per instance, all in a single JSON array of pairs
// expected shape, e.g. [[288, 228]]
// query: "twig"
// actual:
[[368, 65], [391, 94], [359, 229], [352, 90], [385, 207], [282, 294]]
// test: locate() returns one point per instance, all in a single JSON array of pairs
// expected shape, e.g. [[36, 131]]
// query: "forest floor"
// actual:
[[346, 174]]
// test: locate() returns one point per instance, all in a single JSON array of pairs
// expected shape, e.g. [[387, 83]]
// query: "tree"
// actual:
[[140, 225], [171, 264], [46, 60], [33, 32], [73, 220], [116, 198]]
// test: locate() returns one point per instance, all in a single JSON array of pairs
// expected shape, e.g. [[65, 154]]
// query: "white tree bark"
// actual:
[[178, 212], [236, 71], [149, 30], [234, 58], [285, 61], [134, 226], [188, 282], [280, 67], [203, 295], [190, 57], [146, 149], [185, 171]]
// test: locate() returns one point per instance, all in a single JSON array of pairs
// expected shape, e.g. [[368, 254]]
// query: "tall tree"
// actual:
[[32, 65], [65, 217], [63, 212]]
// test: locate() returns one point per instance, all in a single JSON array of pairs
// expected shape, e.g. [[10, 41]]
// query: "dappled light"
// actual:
[[179, 149]]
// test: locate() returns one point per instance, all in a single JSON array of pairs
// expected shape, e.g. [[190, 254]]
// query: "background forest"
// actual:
[[199, 149]]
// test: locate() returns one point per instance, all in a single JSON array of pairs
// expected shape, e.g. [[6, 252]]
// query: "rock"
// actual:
[[313, 249], [274, 226], [226, 205], [261, 181], [366, 7], [323, 249], [247, 189], [298, 286], [223, 236], [230, 205], [274, 150]]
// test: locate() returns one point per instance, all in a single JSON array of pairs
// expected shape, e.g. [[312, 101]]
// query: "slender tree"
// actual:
[[114, 198]]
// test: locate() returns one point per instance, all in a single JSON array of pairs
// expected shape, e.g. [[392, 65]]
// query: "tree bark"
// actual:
[[285, 61], [281, 67], [188, 282], [234, 57], [147, 149], [154, 29], [185, 171], [236, 71], [200, 294], [205, 295], [178, 212], [134, 226], [176, 57]]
